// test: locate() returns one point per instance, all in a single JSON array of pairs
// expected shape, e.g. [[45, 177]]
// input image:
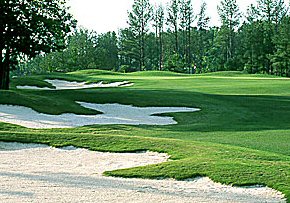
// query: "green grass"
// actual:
[[241, 136]]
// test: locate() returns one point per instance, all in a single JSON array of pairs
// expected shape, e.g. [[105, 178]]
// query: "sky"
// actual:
[[111, 15]]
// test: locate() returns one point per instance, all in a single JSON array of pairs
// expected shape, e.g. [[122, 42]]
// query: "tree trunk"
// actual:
[[4, 76], [189, 48], [4, 70], [160, 51], [143, 53], [140, 53], [176, 37], [201, 51], [157, 43], [142, 48]]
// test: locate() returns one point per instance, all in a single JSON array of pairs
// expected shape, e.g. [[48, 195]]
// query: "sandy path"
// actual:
[[37, 173]]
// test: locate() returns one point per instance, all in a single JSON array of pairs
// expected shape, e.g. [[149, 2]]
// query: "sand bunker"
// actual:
[[37, 173], [66, 85], [112, 114]]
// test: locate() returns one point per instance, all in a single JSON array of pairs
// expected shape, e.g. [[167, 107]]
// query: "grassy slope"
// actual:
[[241, 136]]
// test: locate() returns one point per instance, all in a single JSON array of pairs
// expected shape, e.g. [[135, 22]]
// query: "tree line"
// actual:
[[172, 37]]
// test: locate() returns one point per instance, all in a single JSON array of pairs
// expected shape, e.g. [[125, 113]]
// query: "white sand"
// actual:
[[112, 114], [37, 173], [66, 85]]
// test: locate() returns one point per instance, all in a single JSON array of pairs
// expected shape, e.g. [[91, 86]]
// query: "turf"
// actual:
[[241, 136]]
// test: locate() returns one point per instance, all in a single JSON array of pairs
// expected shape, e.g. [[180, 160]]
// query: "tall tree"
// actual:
[[159, 29], [107, 51], [186, 19], [230, 17], [139, 19], [128, 50], [172, 20], [28, 28], [281, 57], [80, 51], [272, 13], [202, 26], [203, 19], [252, 36]]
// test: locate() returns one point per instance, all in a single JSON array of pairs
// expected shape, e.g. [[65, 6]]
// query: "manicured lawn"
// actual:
[[241, 136]]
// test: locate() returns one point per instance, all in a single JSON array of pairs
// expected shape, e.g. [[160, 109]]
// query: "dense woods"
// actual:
[[173, 37]]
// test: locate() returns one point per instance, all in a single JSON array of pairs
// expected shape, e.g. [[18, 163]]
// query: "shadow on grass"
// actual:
[[218, 112]]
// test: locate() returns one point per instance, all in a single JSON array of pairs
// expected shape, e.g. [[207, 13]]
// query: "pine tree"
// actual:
[[186, 19], [272, 13], [202, 26], [251, 37], [172, 20], [230, 17], [129, 50], [107, 51], [139, 19], [281, 58], [159, 26]]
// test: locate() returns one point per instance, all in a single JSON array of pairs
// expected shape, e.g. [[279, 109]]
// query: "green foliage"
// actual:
[[281, 58], [125, 69], [80, 52], [175, 63], [85, 50], [32, 27], [139, 19], [203, 46], [129, 54], [173, 11], [230, 17], [259, 45], [203, 19], [107, 51], [186, 20], [29, 28], [272, 11], [229, 13], [159, 20], [252, 38]]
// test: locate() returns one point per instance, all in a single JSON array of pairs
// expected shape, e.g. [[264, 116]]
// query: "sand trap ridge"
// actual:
[[37, 173], [66, 85], [112, 114]]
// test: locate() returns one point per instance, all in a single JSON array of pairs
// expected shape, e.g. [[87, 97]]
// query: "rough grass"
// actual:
[[241, 136]]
